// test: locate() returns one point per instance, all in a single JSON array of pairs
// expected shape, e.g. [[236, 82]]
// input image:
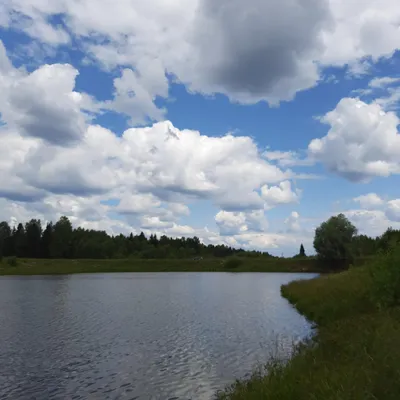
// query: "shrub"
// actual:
[[385, 271], [12, 261], [233, 262]]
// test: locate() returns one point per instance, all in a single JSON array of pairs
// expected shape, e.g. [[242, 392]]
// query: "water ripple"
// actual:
[[176, 336]]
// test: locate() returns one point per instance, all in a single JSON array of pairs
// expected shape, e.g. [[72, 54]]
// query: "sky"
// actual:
[[245, 123]]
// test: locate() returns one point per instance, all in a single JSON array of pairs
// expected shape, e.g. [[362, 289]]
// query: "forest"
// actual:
[[62, 240]]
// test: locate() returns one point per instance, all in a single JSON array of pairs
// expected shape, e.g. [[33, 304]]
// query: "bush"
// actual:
[[233, 262], [385, 271], [12, 261]]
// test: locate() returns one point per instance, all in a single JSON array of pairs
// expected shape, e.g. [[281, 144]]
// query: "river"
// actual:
[[140, 335]]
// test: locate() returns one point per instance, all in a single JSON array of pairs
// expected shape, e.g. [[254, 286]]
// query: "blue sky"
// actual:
[[201, 118]]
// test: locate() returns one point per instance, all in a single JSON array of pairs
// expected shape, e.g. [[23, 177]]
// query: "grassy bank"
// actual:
[[356, 351], [63, 266]]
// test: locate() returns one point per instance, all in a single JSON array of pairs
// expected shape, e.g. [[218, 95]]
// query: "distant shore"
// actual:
[[68, 266]]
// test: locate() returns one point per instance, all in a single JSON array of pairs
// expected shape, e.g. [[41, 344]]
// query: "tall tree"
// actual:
[[46, 240], [20, 241], [5, 234], [302, 252], [333, 240], [33, 231], [60, 246]]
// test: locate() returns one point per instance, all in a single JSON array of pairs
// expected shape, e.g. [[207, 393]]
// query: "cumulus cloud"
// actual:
[[393, 210], [369, 201], [362, 142], [281, 194], [249, 51], [233, 223], [137, 203], [43, 103], [256, 50], [365, 28], [377, 214], [292, 222], [147, 160], [135, 93], [370, 222]]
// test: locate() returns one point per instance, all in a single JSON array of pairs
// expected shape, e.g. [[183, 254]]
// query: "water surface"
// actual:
[[139, 335]]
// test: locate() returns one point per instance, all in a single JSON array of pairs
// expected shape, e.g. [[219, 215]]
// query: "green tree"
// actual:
[[333, 241], [46, 241], [5, 234], [389, 239], [61, 244], [364, 246], [20, 241], [302, 252], [33, 232]]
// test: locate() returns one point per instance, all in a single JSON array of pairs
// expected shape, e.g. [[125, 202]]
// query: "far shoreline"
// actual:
[[79, 266]]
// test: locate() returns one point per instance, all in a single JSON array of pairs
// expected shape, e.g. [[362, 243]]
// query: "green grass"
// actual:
[[62, 266], [355, 354]]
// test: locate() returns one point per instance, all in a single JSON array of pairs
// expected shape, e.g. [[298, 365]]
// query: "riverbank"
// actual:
[[355, 353], [63, 266]]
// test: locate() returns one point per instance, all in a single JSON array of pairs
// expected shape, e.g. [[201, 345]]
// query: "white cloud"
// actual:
[[362, 142], [381, 82], [153, 223], [370, 222], [385, 90], [393, 210], [234, 223], [250, 51], [363, 28], [293, 222], [231, 223], [42, 104], [277, 243], [149, 160], [135, 94], [282, 194], [369, 201], [137, 203]]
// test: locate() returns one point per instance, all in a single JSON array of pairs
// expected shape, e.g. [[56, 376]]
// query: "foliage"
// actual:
[[33, 232], [302, 252], [385, 273], [233, 262], [389, 239], [333, 240]]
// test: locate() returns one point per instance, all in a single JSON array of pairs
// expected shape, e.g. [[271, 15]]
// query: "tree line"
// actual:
[[336, 242], [61, 240]]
